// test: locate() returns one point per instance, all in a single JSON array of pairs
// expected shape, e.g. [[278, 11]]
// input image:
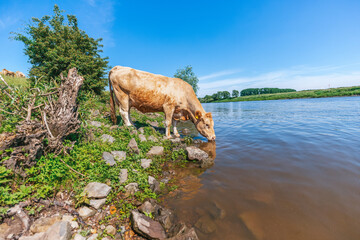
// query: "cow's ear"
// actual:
[[198, 114], [208, 115]]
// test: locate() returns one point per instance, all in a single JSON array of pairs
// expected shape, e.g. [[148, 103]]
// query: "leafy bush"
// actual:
[[53, 47]]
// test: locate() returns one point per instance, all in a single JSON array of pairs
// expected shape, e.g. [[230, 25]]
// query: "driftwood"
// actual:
[[59, 119]]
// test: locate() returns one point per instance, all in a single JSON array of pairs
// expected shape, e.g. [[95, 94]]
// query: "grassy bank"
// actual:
[[68, 174], [15, 81], [331, 92]]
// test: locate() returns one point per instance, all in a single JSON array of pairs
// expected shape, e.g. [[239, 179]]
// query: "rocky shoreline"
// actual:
[[93, 214]]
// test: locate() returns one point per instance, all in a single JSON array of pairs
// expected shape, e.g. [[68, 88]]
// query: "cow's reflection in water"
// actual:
[[209, 148]]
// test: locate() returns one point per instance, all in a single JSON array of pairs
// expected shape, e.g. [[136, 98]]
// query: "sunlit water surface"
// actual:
[[284, 169]]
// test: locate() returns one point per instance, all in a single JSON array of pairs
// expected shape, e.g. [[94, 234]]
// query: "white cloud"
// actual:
[[299, 78], [219, 74]]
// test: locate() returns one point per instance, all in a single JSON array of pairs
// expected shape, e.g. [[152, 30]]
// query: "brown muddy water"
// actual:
[[284, 169]]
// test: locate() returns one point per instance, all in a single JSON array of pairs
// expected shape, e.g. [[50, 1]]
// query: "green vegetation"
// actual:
[[15, 81], [83, 164], [54, 46], [188, 76], [332, 92], [257, 91], [225, 95], [235, 93]]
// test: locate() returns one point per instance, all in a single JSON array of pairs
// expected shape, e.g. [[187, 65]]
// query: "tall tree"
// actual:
[[235, 93], [188, 76], [226, 94], [55, 46]]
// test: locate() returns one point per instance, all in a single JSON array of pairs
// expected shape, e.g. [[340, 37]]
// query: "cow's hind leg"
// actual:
[[124, 106], [176, 133], [169, 111]]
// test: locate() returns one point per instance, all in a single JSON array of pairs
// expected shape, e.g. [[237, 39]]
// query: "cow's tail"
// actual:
[[112, 103]]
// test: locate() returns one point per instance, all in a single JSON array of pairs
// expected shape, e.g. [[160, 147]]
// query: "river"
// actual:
[[284, 169]]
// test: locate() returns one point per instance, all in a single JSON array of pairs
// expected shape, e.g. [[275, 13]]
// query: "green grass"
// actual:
[[331, 92], [15, 81], [52, 173]]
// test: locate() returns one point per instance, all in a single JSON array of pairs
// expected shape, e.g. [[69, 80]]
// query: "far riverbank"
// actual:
[[331, 92]]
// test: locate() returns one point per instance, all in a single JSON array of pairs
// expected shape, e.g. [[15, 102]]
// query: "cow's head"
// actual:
[[205, 125]]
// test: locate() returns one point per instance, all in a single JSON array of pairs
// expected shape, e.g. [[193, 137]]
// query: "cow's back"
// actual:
[[148, 92]]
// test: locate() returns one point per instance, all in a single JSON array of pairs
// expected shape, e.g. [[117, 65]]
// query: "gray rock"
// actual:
[[123, 177], [93, 237], [107, 138], [95, 123], [42, 224], [205, 224], [153, 123], [154, 185], [79, 237], [216, 211], [74, 225], [131, 188], [110, 229], [153, 138], [133, 132], [133, 146], [142, 137], [37, 236], [69, 218], [195, 153], [187, 234], [86, 212], [119, 155], [146, 227], [113, 127], [156, 151], [97, 190], [109, 158], [58, 231], [97, 203], [175, 140], [141, 130], [145, 163], [147, 207], [166, 218]]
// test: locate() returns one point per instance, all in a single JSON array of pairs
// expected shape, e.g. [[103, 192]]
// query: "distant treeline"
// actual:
[[257, 91], [222, 95]]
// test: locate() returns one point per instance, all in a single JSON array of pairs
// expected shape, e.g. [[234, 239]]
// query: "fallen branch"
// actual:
[[72, 168], [59, 119]]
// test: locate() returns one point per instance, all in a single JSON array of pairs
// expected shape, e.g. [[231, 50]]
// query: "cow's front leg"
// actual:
[[169, 111], [176, 133]]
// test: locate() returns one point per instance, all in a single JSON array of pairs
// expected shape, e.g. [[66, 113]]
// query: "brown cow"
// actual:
[[20, 74], [148, 92], [8, 73]]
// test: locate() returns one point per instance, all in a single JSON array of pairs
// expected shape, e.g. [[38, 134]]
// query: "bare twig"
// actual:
[[30, 107], [47, 126], [5, 82], [50, 93], [72, 168], [8, 94], [51, 103]]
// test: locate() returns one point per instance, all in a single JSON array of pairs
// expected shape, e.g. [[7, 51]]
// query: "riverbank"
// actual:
[[331, 92], [111, 178]]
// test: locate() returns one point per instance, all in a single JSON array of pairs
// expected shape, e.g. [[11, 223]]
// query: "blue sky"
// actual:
[[230, 44]]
